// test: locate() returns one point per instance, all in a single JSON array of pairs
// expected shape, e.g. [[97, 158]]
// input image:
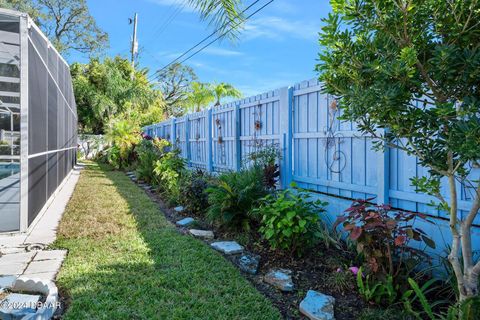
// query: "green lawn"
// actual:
[[126, 261]]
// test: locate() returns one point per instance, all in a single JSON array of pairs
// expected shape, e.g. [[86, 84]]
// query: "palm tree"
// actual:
[[199, 96], [224, 90], [221, 14]]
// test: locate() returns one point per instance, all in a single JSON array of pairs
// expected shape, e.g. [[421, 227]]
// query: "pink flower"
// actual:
[[339, 270], [354, 270]]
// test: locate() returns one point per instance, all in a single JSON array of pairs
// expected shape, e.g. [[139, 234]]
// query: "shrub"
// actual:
[[290, 221], [168, 170], [122, 137], [383, 236], [148, 152], [233, 197], [266, 159], [193, 190]]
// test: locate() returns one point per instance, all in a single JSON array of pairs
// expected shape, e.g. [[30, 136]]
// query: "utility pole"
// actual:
[[134, 49]]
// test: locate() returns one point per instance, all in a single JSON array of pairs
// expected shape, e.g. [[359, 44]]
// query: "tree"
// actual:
[[199, 96], [104, 91], [67, 23], [411, 67], [224, 90], [30, 7], [223, 15], [175, 84]]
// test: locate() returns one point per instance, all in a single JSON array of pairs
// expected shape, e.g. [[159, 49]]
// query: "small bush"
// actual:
[[290, 221], [148, 152], [168, 171], [382, 237], [193, 190], [233, 197], [266, 159]]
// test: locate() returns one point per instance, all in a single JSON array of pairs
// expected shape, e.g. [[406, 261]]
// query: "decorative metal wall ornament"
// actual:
[[197, 137], [257, 126], [223, 156], [335, 159]]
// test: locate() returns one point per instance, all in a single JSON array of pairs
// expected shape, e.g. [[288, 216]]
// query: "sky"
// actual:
[[278, 46]]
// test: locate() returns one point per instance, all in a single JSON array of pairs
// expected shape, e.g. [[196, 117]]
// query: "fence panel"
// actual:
[[224, 138], [328, 155], [318, 151], [198, 140]]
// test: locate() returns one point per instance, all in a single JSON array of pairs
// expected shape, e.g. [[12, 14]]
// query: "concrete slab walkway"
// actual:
[[24, 254]]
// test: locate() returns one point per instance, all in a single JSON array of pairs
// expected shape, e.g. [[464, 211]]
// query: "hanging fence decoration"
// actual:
[[335, 159], [223, 156]]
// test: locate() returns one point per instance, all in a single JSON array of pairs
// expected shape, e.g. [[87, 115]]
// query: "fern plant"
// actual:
[[233, 197]]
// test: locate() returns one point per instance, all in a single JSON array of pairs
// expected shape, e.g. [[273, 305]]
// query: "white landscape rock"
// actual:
[[280, 279], [185, 222], [318, 306], [203, 234], [227, 247]]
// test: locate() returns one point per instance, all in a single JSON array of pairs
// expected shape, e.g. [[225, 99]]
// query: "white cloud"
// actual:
[[175, 3], [216, 51], [278, 28]]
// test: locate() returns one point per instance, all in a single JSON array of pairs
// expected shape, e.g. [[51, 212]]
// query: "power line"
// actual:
[[237, 23], [169, 20]]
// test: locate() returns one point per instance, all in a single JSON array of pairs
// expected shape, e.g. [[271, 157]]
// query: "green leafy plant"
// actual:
[[407, 74], [379, 291], [382, 236], [266, 158], [416, 303], [148, 152], [168, 170], [193, 190], [233, 197], [290, 220], [122, 137]]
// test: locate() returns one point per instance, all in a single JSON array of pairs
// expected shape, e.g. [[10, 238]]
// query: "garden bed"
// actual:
[[309, 272]]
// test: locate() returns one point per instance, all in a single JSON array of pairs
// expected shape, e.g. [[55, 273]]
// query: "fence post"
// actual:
[[383, 174], [208, 137], [237, 151], [286, 112], [173, 132], [187, 139]]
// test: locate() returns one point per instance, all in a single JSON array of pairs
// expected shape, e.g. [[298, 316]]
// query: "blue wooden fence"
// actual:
[[319, 152]]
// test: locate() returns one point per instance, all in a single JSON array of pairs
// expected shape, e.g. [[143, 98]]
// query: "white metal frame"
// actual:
[[24, 23]]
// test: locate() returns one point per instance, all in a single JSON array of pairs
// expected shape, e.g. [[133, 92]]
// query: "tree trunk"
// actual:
[[466, 273]]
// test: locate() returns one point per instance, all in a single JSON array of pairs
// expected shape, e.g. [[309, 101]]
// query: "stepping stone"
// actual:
[[249, 263], [318, 306], [185, 222], [227, 247], [280, 279], [179, 209], [203, 234], [16, 305]]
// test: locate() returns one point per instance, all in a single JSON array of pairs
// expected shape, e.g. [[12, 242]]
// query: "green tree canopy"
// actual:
[[67, 23], [412, 67], [104, 90], [175, 85], [224, 90], [199, 96]]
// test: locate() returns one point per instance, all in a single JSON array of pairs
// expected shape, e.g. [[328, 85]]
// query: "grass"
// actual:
[[126, 261]]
